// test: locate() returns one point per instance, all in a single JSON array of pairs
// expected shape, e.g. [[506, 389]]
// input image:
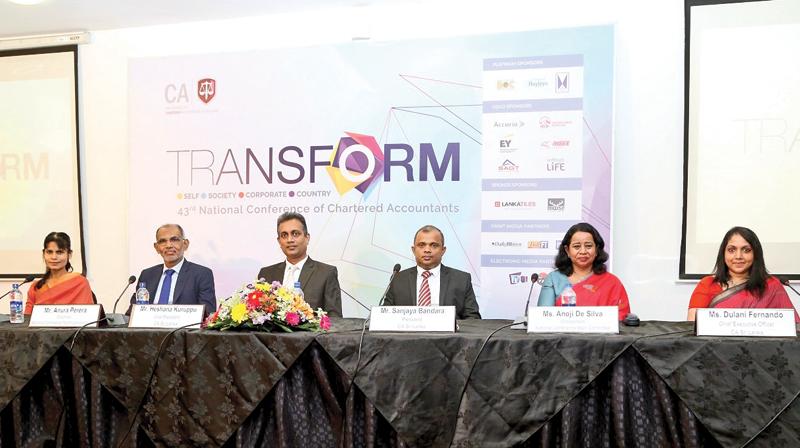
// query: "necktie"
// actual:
[[292, 277], [425, 290], [163, 298]]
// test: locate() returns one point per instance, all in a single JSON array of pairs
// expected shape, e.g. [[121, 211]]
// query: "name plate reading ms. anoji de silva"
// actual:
[[573, 319], [166, 316], [768, 322], [64, 316], [413, 318]]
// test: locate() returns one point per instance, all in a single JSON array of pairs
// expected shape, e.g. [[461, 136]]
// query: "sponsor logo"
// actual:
[[509, 124], [546, 122], [535, 244], [562, 82], [515, 204], [506, 244], [537, 83], [555, 144], [556, 165], [517, 277], [555, 204], [206, 89], [505, 84], [507, 167]]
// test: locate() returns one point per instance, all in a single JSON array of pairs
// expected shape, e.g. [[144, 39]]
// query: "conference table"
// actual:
[[652, 385]]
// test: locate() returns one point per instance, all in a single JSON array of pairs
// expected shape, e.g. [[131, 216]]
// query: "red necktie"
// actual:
[[425, 290]]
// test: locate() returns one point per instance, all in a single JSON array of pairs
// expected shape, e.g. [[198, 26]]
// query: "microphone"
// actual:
[[534, 279], [785, 282], [119, 319], [27, 279], [395, 270], [354, 299]]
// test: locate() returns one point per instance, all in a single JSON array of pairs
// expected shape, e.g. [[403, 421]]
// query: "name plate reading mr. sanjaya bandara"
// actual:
[[64, 315], [413, 318], [166, 316], [573, 319], [745, 322]]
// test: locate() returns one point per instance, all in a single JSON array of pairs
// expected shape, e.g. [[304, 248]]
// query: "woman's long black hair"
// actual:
[[757, 283]]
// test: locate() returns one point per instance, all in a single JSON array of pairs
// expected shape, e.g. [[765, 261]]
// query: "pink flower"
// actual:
[[325, 322], [292, 319]]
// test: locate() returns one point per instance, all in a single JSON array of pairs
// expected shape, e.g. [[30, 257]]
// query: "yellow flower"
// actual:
[[239, 313]]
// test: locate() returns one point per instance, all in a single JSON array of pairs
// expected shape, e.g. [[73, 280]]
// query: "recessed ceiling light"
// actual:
[[27, 2]]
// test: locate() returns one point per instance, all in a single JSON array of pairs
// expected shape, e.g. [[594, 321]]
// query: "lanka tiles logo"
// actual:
[[206, 89], [515, 204], [356, 163], [562, 82]]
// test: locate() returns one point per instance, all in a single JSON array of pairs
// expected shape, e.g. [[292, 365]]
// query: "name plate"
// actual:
[[573, 319], [166, 316], [413, 318], [745, 322], [64, 316]]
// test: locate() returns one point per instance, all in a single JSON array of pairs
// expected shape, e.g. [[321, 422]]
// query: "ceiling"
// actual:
[[57, 16]]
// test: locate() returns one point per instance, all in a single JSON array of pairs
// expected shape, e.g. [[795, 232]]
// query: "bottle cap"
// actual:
[[15, 286], [297, 285]]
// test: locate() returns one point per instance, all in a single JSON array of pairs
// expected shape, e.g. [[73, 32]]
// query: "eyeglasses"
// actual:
[[175, 240], [294, 234]]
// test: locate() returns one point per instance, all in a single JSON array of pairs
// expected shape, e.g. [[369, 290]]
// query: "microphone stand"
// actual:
[[115, 319]]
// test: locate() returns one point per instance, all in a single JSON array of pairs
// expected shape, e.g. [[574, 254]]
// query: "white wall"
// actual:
[[648, 156]]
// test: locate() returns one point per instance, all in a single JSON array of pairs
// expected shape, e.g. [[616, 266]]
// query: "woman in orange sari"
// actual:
[[59, 286], [740, 278]]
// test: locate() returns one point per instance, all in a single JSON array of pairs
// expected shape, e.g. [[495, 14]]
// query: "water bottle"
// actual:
[[142, 295], [299, 291], [16, 315], [568, 297]]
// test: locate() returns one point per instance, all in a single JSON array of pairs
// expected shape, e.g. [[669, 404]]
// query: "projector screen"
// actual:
[[39, 175], [742, 141]]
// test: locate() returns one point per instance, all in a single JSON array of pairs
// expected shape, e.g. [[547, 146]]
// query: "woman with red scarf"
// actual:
[[740, 278], [581, 265], [59, 285]]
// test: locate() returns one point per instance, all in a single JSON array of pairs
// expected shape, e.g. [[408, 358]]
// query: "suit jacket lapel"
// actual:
[[152, 283], [186, 272], [276, 274], [444, 298], [412, 286], [305, 274]]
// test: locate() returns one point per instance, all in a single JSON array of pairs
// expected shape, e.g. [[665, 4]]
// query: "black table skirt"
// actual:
[[652, 386]]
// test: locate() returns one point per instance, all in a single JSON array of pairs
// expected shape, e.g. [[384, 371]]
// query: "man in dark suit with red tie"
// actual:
[[177, 281], [431, 283], [319, 281]]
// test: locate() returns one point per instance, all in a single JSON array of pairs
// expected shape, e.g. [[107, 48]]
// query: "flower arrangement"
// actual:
[[267, 307]]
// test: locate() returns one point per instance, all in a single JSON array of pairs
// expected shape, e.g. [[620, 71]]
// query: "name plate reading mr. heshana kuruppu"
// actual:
[[166, 316], [745, 322], [413, 318], [573, 319]]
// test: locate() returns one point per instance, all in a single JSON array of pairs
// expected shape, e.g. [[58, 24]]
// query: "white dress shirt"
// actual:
[[177, 269], [288, 277]]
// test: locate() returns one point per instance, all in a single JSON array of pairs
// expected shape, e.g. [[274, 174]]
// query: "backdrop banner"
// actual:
[[502, 141]]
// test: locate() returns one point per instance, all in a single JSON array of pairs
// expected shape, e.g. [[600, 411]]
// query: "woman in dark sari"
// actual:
[[740, 278]]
